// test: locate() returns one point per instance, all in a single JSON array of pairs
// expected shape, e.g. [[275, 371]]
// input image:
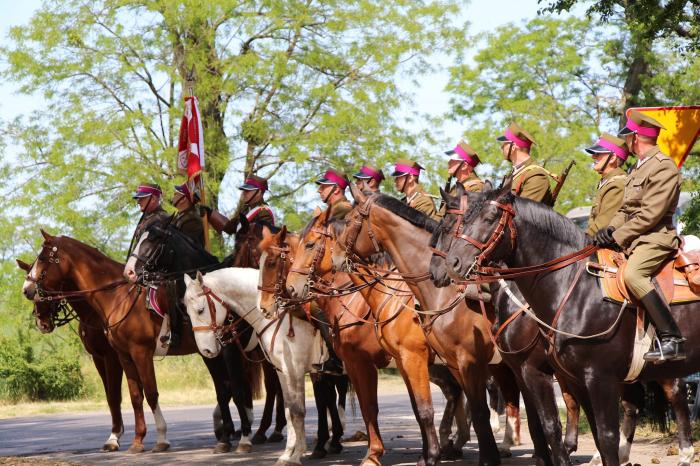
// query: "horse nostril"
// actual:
[[292, 292], [454, 262]]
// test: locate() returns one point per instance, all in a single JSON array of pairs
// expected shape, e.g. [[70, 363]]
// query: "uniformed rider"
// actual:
[[254, 207], [643, 228], [369, 179], [406, 173]]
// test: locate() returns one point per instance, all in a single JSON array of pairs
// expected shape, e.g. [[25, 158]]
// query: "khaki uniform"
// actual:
[[422, 202], [607, 201], [157, 216], [190, 223], [472, 184], [264, 214], [532, 182], [340, 208], [644, 223]]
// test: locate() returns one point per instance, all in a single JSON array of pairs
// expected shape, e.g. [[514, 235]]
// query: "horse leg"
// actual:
[[111, 373], [144, 364], [441, 376], [573, 411], [270, 394], [241, 394], [473, 380], [363, 376], [538, 390], [224, 430], [342, 384], [334, 410], [322, 397], [675, 391], [280, 416], [602, 407], [293, 388], [505, 379], [414, 369], [541, 456], [136, 394], [494, 398]]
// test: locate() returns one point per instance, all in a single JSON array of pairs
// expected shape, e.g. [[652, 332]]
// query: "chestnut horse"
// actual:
[[354, 343], [103, 355], [536, 235], [460, 335], [397, 331], [65, 264]]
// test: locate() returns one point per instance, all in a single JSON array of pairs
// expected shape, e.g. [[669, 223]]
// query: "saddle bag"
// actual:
[[688, 262]]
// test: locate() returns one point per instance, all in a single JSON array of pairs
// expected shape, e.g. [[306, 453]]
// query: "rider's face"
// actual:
[[599, 161], [249, 195], [506, 150], [400, 182], [148, 204], [324, 190]]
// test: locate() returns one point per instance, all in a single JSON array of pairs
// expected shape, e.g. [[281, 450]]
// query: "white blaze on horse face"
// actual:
[[198, 312], [271, 310], [130, 267], [29, 285]]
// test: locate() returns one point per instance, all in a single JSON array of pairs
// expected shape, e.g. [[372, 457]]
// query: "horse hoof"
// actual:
[[109, 447], [335, 447], [244, 448], [275, 437], [286, 463], [136, 448], [160, 447], [450, 454], [504, 452], [258, 438], [236, 435], [222, 447], [317, 454], [370, 462]]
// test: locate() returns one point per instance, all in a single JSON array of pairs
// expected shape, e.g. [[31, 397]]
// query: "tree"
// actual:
[[285, 87], [550, 77]]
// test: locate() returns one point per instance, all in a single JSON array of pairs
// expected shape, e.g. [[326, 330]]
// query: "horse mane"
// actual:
[[270, 226], [406, 212], [87, 247], [189, 241]]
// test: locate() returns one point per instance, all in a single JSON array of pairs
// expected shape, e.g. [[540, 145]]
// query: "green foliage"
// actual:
[[26, 374]]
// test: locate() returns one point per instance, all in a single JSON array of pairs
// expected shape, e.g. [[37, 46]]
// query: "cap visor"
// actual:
[[362, 176], [248, 187], [140, 195], [503, 139], [325, 181], [596, 149], [625, 131], [398, 173], [450, 152]]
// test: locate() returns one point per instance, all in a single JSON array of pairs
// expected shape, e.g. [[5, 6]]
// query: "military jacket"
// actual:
[[261, 212], [422, 201], [607, 201], [157, 216], [472, 184], [532, 182], [651, 197], [190, 223]]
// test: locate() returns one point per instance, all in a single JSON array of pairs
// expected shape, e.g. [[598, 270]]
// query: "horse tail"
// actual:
[[253, 371], [657, 407]]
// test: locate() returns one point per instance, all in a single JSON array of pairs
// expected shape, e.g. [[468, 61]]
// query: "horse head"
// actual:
[[48, 271], [479, 232], [313, 259], [43, 312], [277, 254], [355, 241], [205, 314], [246, 252], [152, 252]]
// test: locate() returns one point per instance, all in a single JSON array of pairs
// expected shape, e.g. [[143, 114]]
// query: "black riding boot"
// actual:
[[333, 365], [175, 315], [671, 342]]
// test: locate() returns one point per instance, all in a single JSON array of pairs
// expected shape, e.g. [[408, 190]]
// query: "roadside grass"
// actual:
[[182, 381]]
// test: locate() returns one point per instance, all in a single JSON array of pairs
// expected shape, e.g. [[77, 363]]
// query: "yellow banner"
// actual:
[[682, 129]]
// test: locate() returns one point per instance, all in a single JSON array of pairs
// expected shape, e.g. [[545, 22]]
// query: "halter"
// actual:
[[506, 220], [319, 251], [230, 322], [352, 230], [152, 259], [252, 258], [279, 286]]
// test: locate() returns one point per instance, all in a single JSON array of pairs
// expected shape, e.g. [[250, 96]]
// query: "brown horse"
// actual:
[[460, 335], [355, 344], [103, 355], [67, 264]]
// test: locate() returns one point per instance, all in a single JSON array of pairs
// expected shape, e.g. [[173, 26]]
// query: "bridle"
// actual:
[[60, 311], [319, 250], [354, 226], [150, 260], [252, 256], [278, 287]]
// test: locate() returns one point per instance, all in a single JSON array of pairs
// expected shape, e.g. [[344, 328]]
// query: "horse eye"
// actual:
[[200, 310], [310, 245]]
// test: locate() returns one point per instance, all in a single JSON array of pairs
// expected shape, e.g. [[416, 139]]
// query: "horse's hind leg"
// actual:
[[337, 424], [675, 391], [280, 417], [511, 394], [441, 376], [473, 380], [270, 394], [240, 393]]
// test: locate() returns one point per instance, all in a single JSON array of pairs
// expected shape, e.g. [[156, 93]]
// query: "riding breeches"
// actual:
[[644, 260]]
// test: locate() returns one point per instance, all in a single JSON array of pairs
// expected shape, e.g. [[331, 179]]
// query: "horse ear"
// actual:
[[282, 235], [243, 223], [46, 236], [200, 278], [506, 185], [23, 265], [488, 186], [188, 280], [266, 232], [357, 194]]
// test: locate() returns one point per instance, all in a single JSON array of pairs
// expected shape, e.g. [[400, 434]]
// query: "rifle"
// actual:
[[560, 181], [447, 190]]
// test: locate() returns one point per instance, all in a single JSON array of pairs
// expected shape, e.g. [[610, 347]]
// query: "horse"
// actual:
[[246, 253], [549, 249], [397, 331], [95, 342], [524, 350], [458, 334], [65, 264], [292, 345]]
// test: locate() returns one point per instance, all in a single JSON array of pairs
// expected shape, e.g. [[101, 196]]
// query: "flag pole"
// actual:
[[202, 195]]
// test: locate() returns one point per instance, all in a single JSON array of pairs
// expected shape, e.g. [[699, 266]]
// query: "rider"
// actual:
[[188, 219], [405, 175], [254, 207], [643, 227], [331, 189], [369, 179], [529, 179], [148, 196], [609, 153]]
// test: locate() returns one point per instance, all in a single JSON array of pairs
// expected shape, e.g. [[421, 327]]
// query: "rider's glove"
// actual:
[[604, 238], [204, 211]]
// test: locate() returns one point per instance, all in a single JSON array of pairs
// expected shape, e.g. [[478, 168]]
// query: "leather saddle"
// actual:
[[675, 278]]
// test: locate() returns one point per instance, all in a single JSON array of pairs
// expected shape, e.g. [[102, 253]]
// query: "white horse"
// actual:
[[292, 345]]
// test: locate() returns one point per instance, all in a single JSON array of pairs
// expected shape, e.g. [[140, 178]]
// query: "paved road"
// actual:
[[77, 438]]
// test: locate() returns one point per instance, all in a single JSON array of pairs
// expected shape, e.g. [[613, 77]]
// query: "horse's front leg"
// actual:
[[473, 381], [143, 360], [292, 381], [136, 394], [323, 399], [363, 376], [111, 373], [603, 409]]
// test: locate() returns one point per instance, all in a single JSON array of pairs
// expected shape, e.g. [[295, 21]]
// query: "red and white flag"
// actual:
[[190, 149]]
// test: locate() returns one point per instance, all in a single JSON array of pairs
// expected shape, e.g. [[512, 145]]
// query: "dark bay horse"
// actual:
[[532, 234], [103, 355], [355, 344], [131, 329], [460, 335]]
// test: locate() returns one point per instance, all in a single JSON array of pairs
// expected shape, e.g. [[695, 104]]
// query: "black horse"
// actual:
[[532, 234], [168, 253]]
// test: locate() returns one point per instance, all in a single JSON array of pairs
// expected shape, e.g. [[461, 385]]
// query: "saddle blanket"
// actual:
[[152, 304]]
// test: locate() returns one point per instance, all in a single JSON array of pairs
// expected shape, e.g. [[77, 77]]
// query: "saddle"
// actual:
[[678, 278]]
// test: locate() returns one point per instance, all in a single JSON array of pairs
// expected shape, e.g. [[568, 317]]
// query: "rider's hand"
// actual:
[[204, 211], [604, 238]]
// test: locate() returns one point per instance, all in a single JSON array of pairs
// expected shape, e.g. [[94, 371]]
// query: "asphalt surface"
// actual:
[[78, 438]]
